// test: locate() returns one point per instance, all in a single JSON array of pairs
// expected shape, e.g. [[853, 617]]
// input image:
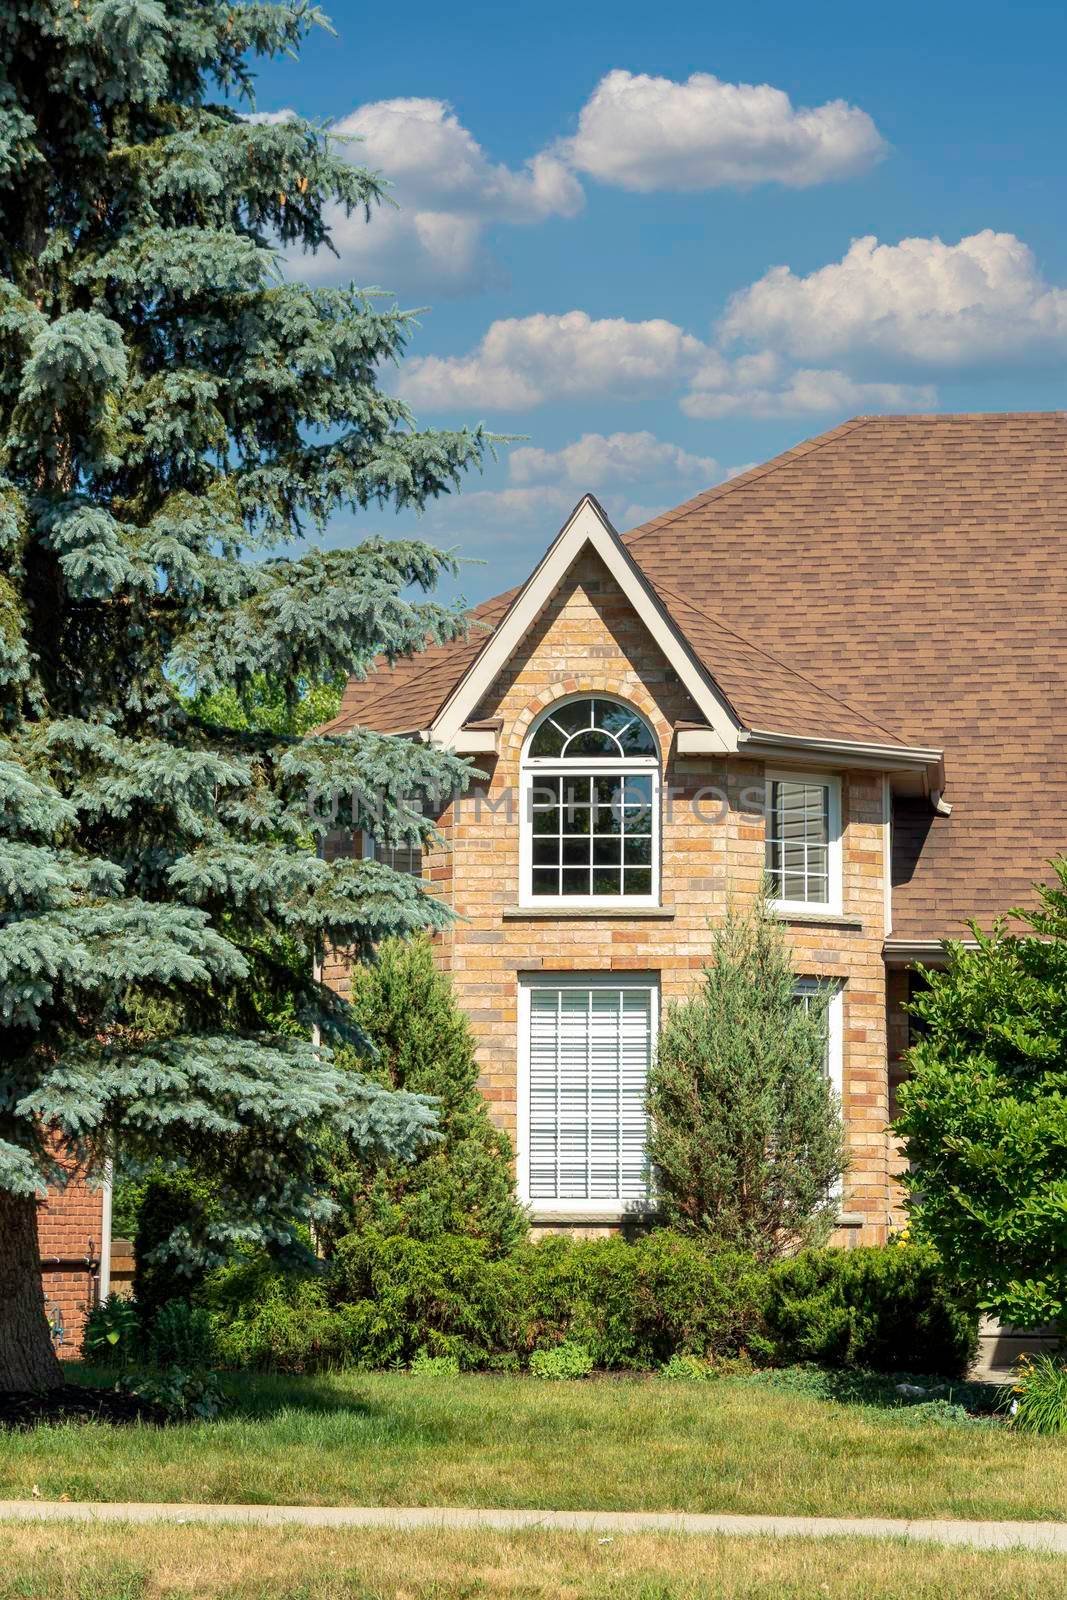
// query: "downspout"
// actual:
[[103, 1278]]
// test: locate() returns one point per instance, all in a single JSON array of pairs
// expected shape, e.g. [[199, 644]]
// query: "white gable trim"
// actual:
[[587, 524]]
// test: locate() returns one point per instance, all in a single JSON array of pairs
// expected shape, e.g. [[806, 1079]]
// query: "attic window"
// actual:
[[590, 806]]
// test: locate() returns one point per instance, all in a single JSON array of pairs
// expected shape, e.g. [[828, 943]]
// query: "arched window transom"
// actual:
[[590, 814]]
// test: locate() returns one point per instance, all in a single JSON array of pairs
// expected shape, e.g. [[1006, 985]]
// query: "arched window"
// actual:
[[590, 805]]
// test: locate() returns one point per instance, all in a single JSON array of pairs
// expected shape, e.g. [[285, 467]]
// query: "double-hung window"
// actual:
[[590, 806], [585, 1050], [804, 841], [401, 857]]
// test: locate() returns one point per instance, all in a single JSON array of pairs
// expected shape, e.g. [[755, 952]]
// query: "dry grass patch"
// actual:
[[162, 1562], [393, 1439]]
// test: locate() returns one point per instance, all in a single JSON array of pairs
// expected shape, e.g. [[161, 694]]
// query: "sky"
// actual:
[[657, 244]]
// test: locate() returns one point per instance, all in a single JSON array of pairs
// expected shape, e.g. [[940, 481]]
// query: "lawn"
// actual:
[[164, 1563], [628, 1443]]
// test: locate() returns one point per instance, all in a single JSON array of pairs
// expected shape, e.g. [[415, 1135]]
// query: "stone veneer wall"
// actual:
[[589, 640]]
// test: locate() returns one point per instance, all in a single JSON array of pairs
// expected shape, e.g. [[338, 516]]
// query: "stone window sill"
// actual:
[[588, 914], [820, 919]]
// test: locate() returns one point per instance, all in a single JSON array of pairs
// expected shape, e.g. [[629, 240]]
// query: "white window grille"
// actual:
[[590, 806], [804, 842]]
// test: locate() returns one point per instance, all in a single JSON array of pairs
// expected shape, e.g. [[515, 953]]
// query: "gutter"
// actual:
[[888, 757], [931, 952]]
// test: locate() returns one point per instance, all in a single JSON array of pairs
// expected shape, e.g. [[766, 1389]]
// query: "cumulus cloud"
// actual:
[[929, 303], [522, 362], [646, 133], [447, 194], [596, 459], [763, 385]]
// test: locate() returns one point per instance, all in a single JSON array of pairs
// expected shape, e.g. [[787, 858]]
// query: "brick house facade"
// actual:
[[588, 641], [871, 622]]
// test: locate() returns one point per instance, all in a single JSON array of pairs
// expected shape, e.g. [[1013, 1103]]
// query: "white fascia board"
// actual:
[[586, 525]]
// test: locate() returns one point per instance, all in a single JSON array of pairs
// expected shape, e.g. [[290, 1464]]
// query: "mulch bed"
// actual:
[[73, 1403]]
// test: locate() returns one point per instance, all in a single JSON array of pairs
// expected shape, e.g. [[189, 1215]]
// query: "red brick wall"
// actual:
[[68, 1229]]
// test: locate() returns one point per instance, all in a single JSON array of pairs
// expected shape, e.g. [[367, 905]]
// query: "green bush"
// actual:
[[745, 1129], [181, 1336], [982, 1112], [275, 1322], [686, 1369], [637, 1304], [184, 1396], [427, 1366], [1038, 1399], [459, 1184], [441, 1297], [887, 1308], [112, 1333], [566, 1360], [168, 1202]]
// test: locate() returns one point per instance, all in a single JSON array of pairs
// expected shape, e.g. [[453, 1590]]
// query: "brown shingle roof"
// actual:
[[914, 567]]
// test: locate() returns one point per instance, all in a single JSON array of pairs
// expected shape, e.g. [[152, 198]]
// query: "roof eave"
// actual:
[[770, 744]]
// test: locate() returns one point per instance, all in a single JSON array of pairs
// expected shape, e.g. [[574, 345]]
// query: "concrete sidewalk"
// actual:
[[981, 1535]]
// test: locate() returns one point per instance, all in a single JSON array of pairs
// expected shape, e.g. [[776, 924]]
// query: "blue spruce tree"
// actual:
[[171, 409]]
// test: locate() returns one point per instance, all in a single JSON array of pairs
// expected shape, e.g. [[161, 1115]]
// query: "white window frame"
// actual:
[[830, 781], [835, 1028], [534, 768], [593, 1210], [835, 1045]]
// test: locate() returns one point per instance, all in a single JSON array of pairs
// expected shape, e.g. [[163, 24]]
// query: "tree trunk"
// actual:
[[27, 1359]]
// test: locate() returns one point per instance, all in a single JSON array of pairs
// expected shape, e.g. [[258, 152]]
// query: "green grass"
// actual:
[[631, 1443], [167, 1563]]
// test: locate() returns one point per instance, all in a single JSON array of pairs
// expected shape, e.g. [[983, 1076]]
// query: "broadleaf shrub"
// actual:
[[884, 1308], [112, 1332], [184, 1396], [566, 1360]]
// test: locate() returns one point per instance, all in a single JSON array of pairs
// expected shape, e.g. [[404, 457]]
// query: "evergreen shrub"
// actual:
[[884, 1308], [170, 1202]]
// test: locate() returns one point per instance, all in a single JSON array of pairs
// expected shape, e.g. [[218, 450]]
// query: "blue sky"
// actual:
[[667, 242]]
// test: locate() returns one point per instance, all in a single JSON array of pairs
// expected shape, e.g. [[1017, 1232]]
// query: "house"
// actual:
[[842, 668]]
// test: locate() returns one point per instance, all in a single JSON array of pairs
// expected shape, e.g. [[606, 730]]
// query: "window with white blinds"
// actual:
[[584, 1062], [803, 841]]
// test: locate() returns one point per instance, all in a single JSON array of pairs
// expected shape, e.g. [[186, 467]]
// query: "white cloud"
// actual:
[[525, 362], [929, 303], [596, 459], [762, 385], [269, 119], [448, 193], [647, 133], [522, 362]]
